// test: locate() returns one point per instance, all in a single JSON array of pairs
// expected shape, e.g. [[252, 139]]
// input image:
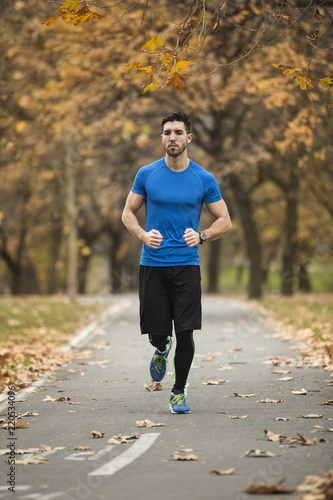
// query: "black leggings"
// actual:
[[184, 354]]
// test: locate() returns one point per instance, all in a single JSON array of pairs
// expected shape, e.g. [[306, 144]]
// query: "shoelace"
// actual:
[[178, 399], [158, 362]]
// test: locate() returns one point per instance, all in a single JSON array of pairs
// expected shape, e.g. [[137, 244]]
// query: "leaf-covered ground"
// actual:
[[306, 320], [33, 331]]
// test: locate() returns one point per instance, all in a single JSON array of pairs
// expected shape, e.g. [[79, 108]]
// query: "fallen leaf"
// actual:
[[266, 488], [282, 418], [48, 398], [257, 453], [120, 439], [99, 362], [234, 416], [97, 434], [319, 488], [243, 395], [268, 400], [311, 415], [82, 448], [225, 367], [285, 379], [301, 392], [227, 472], [154, 386], [32, 460], [280, 372], [215, 382], [305, 442], [43, 447], [148, 423], [189, 457], [329, 402], [272, 436]]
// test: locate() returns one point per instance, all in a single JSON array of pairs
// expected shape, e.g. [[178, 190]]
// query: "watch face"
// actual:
[[203, 237]]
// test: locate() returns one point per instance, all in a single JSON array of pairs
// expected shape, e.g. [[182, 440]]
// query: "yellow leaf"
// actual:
[[301, 82], [130, 66], [326, 82], [70, 18], [147, 69], [176, 81], [70, 5], [180, 65], [20, 126], [151, 44], [50, 20], [150, 85]]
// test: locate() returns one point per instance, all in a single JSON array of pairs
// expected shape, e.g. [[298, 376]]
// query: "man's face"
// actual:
[[175, 138]]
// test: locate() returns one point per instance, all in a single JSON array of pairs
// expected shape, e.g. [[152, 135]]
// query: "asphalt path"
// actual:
[[236, 353]]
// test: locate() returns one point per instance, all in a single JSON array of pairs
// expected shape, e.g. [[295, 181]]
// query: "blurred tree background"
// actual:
[[75, 128]]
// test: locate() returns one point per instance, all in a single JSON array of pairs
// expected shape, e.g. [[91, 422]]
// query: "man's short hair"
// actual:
[[179, 116]]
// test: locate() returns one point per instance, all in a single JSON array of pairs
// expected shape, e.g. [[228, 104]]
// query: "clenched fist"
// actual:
[[191, 237], [153, 238]]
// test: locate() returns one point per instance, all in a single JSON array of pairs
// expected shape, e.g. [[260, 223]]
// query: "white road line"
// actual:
[[102, 452], [137, 449]]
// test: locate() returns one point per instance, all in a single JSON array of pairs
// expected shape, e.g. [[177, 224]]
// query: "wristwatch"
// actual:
[[202, 237]]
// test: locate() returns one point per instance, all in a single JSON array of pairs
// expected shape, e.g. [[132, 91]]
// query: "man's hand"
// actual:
[[153, 238], [191, 237]]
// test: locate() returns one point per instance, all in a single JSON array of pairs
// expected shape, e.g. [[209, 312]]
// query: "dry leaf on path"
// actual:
[[62, 399], [285, 379], [235, 416], [227, 472], [153, 386], [97, 434], [301, 392], [17, 425], [225, 367], [282, 418], [257, 453], [268, 400], [311, 415], [319, 488], [185, 458], [121, 439], [280, 372], [266, 488], [32, 460], [148, 424], [215, 382], [243, 395], [329, 402], [272, 436], [82, 448], [43, 448]]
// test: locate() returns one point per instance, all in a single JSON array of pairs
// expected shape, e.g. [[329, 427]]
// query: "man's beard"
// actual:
[[176, 152]]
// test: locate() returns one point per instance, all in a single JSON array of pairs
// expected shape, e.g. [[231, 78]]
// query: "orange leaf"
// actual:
[[176, 81], [150, 85], [70, 5], [50, 20]]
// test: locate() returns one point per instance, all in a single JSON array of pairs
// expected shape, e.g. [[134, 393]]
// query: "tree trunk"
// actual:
[[252, 240], [213, 266], [72, 259], [290, 243], [304, 284], [116, 268], [83, 271], [56, 237]]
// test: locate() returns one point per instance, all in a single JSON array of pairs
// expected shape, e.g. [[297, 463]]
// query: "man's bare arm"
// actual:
[[133, 204]]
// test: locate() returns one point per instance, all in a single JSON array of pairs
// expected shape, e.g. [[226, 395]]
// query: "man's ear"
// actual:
[[189, 137]]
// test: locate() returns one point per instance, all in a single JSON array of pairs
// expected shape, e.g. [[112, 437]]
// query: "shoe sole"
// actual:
[[178, 412]]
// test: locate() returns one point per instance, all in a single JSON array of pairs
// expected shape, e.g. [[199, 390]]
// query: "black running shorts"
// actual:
[[169, 294]]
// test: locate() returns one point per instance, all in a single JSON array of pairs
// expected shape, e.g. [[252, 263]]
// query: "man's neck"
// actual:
[[178, 163]]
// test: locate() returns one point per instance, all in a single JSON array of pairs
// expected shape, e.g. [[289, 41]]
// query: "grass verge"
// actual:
[[307, 321], [33, 330]]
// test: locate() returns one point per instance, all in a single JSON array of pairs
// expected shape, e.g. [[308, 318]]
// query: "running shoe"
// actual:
[[177, 403], [158, 363]]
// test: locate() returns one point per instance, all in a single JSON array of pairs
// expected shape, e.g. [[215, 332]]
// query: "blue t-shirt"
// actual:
[[174, 203]]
